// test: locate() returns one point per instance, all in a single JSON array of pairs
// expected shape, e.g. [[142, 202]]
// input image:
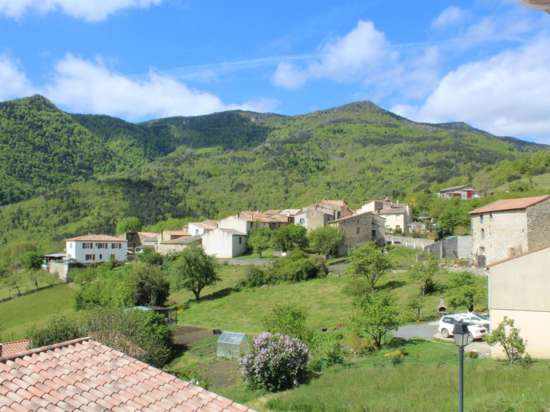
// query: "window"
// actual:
[[100, 257], [240, 240], [89, 257], [480, 218], [482, 234], [373, 233], [86, 245], [116, 246], [302, 221], [357, 230]]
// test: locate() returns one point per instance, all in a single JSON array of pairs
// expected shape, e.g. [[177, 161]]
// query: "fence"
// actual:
[[409, 242]]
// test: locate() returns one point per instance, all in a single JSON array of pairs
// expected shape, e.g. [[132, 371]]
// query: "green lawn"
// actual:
[[18, 315], [328, 301], [25, 281], [425, 381]]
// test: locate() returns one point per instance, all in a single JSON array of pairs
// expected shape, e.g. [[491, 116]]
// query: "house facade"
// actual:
[[321, 214], [177, 245], [464, 192], [360, 228], [96, 249], [246, 221], [510, 227], [224, 243], [199, 228], [519, 289], [398, 217]]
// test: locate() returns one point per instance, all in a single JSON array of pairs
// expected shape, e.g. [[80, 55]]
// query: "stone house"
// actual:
[[518, 289], [246, 221], [177, 245], [510, 227], [398, 216], [359, 229], [322, 213]]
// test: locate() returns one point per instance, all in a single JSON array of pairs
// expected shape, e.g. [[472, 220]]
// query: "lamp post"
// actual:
[[462, 339]]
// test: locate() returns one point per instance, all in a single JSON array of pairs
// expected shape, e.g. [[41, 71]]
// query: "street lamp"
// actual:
[[462, 338]]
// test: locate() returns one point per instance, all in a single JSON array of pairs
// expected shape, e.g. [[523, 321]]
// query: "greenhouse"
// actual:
[[232, 345]]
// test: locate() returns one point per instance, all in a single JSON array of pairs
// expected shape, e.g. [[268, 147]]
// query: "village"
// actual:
[[506, 235]]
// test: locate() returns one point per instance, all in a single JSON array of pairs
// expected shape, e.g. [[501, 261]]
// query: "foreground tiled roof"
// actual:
[[510, 204], [14, 347], [84, 375], [97, 238]]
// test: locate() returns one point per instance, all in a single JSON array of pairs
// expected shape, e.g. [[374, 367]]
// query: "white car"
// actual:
[[475, 319], [447, 324]]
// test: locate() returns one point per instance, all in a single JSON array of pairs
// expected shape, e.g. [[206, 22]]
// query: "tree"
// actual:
[[193, 270], [128, 224], [465, 291], [453, 215], [290, 320], [148, 285], [415, 306], [424, 271], [377, 315], [507, 336], [150, 257], [325, 240], [260, 240], [290, 237], [370, 262], [31, 260]]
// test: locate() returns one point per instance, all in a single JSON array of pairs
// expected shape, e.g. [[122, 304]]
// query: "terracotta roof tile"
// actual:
[[88, 376], [510, 204], [14, 347]]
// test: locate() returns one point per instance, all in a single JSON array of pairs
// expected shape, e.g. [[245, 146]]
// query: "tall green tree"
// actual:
[[325, 240], [424, 272], [370, 262], [148, 285], [289, 237], [377, 315], [259, 240], [193, 270], [128, 224]]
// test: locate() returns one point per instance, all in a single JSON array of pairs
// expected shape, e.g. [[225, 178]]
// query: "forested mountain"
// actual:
[[88, 171]]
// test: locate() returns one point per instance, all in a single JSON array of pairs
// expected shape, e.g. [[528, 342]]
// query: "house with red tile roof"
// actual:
[[320, 214], [96, 249], [398, 216], [85, 375], [510, 227]]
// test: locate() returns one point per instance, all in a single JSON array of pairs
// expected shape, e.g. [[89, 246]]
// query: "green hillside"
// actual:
[[87, 171]]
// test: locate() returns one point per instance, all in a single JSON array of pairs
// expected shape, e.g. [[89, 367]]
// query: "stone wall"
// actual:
[[538, 226]]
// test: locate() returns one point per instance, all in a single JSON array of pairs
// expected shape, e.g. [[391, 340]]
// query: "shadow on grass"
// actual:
[[392, 284]]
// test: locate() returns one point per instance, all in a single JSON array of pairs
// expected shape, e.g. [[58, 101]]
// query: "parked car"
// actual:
[[447, 324], [475, 319]]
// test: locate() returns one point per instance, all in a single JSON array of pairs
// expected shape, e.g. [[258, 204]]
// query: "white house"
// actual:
[[519, 290], [246, 221], [96, 248], [199, 228], [224, 243]]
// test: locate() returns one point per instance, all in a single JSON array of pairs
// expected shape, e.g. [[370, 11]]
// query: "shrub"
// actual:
[[256, 276], [148, 285], [507, 336], [424, 272], [58, 329], [326, 350], [473, 355], [276, 362], [31, 260], [295, 267], [260, 240], [395, 357], [369, 262], [290, 237], [288, 320], [150, 257], [377, 315]]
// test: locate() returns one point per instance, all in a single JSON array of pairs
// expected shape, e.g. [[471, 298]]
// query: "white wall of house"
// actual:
[[394, 221], [235, 223], [194, 229], [499, 235], [89, 251], [519, 289], [223, 243]]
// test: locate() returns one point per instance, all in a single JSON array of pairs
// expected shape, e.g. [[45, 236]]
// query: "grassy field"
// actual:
[[25, 281], [327, 301], [18, 315]]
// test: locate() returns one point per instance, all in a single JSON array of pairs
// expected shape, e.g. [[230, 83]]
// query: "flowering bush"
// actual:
[[276, 362]]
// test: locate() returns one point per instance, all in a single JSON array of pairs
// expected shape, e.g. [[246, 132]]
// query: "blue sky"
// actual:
[[486, 62]]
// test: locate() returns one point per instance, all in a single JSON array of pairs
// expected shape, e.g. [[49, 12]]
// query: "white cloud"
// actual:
[[92, 87], [342, 59], [507, 94], [449, 17], [89, 10], [13, 81]]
